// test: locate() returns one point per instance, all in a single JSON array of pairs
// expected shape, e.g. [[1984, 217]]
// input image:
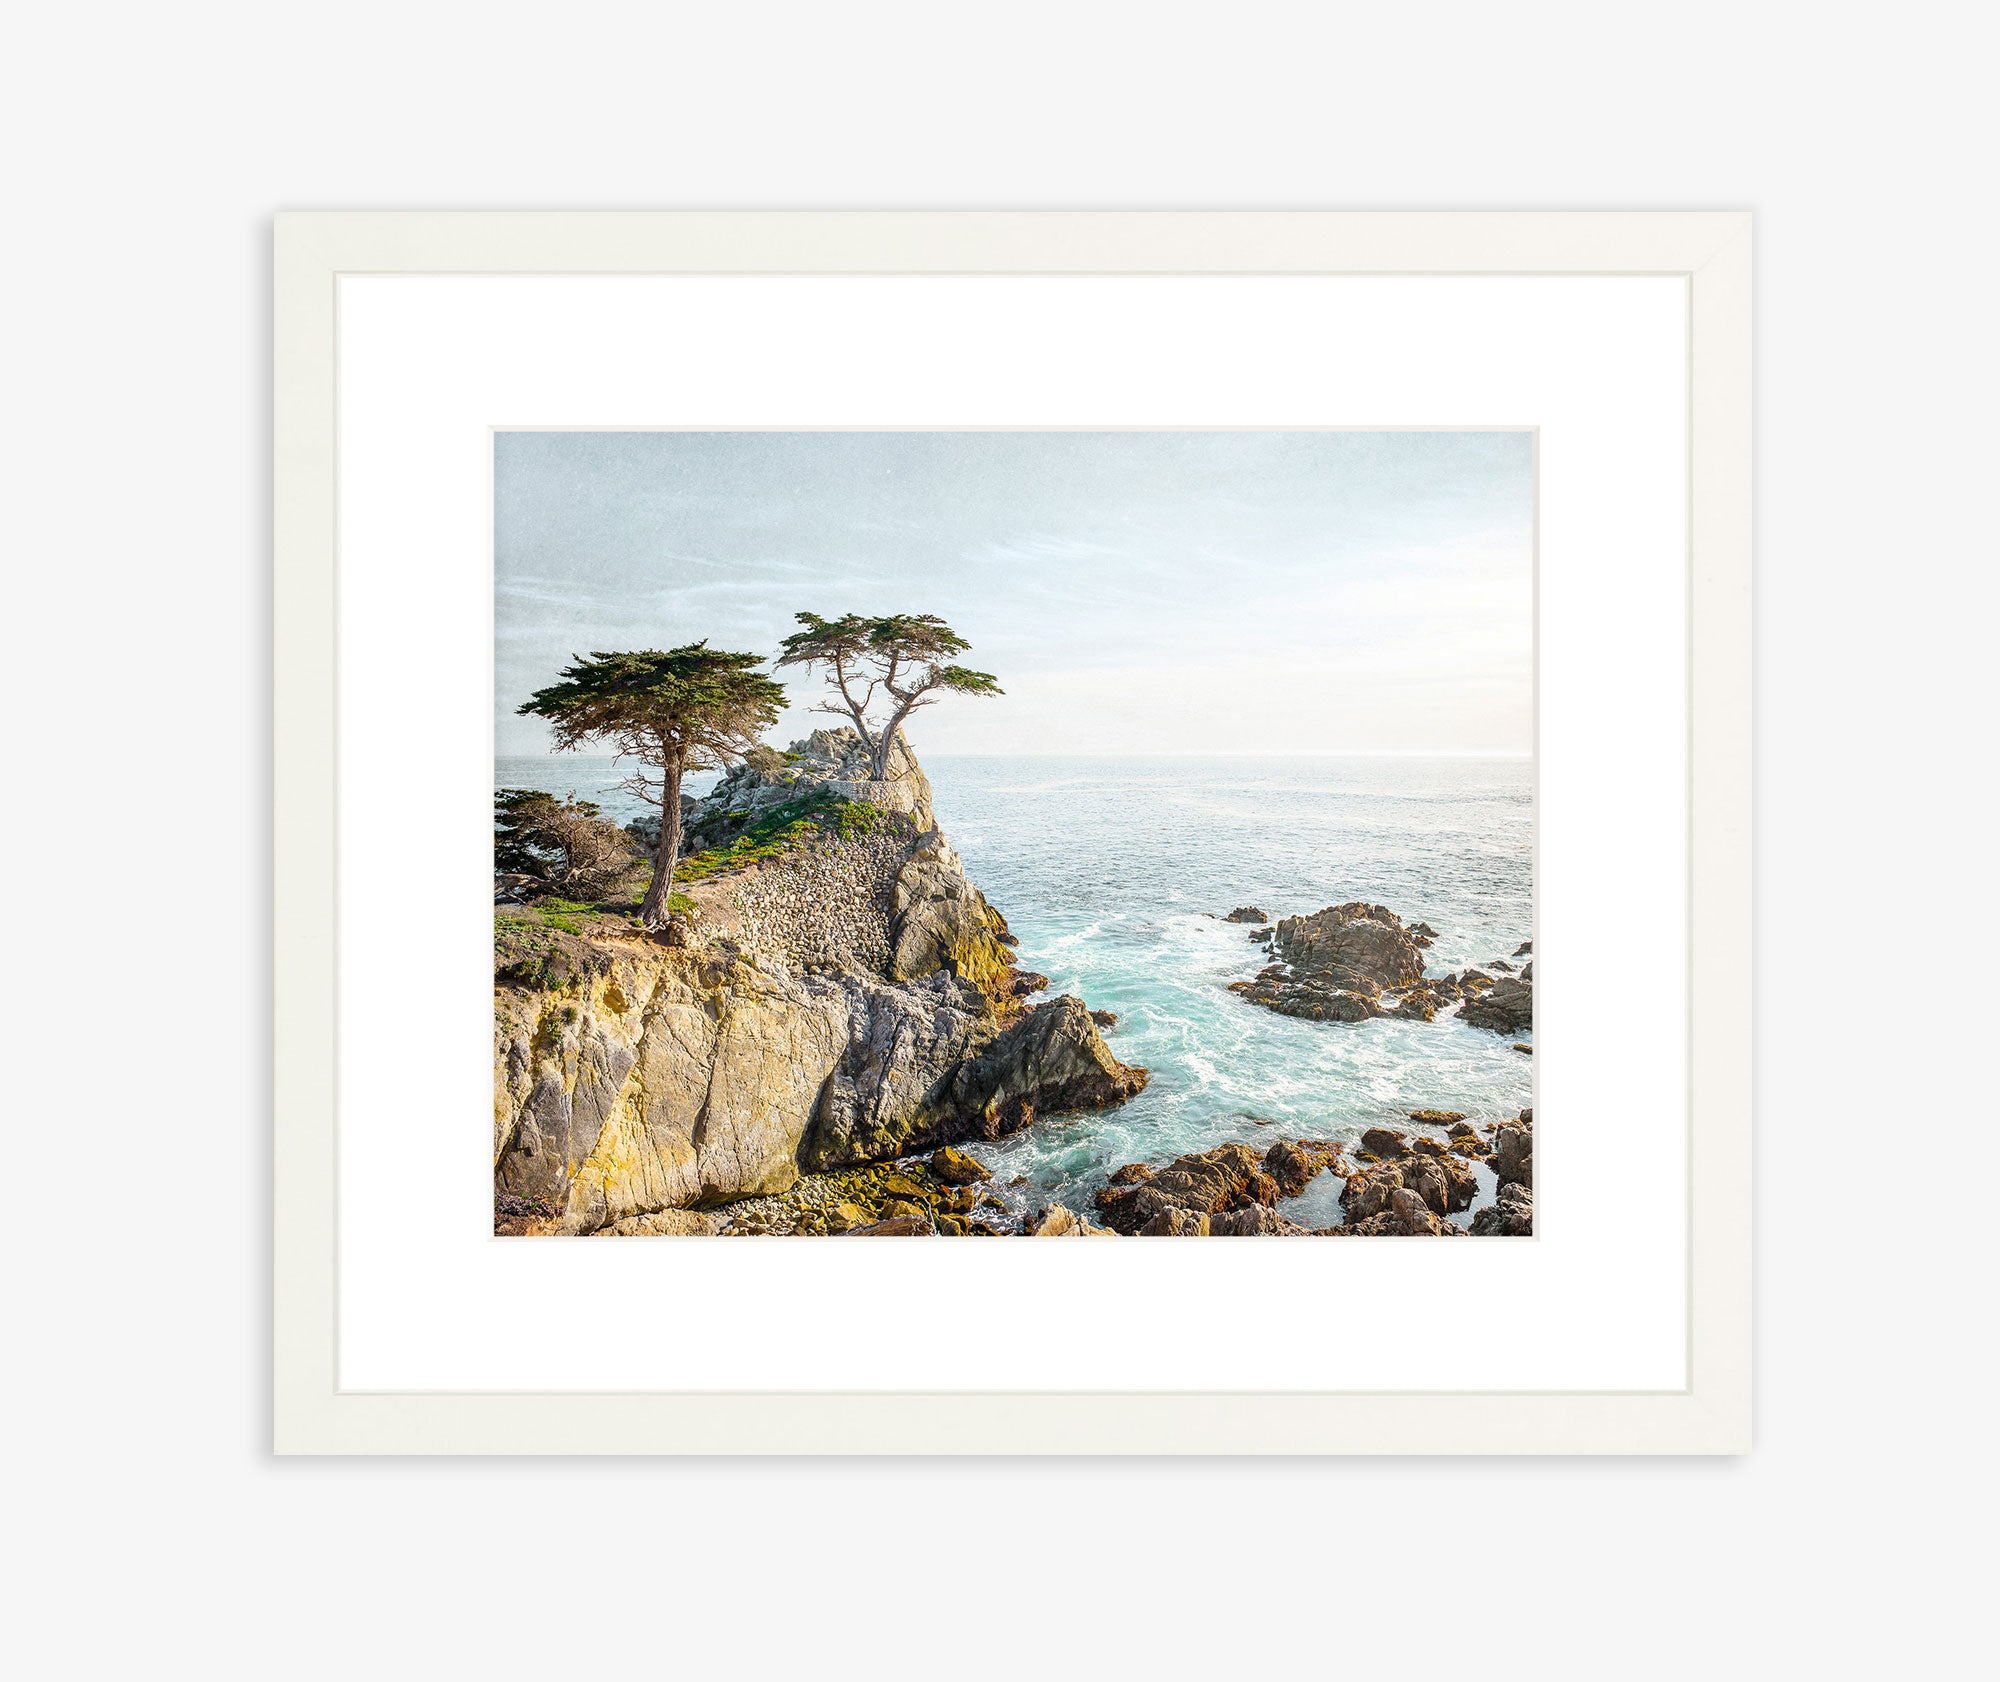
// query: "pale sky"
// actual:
[[1134, 592]]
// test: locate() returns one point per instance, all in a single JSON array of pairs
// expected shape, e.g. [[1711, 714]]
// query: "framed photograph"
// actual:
[[810, 728]]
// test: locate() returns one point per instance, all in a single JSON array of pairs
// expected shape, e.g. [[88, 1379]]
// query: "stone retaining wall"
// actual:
[[827, 906]]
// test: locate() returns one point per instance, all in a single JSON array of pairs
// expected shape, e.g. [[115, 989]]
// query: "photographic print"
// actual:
[[1014, 833]]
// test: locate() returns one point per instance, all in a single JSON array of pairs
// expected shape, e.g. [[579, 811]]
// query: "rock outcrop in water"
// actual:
[[1356, 962], [1507, 1007], [917, 1074], [1230, 1191], [1344, 964], [1397, 1186], [833, 992]]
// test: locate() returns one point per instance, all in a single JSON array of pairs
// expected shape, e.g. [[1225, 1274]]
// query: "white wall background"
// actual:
[[147, 148]]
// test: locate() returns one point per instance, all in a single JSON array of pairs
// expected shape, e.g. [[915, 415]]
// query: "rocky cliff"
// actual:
[[833, 992]]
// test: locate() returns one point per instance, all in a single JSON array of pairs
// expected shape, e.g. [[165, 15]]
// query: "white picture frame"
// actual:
[[1711, 1414]]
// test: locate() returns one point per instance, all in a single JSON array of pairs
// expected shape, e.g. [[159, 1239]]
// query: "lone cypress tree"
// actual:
[[905, 656], [690, 709]]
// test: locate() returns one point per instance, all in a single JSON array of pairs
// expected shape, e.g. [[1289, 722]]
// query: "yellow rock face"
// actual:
[[665, 1080]]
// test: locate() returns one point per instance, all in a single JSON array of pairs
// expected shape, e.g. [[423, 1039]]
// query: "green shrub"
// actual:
[[565, 843], [783, 829]]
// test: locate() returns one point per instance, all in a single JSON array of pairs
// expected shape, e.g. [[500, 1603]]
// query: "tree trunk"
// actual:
[[855, 710], [653, 912], [861, 729], [884, 744]]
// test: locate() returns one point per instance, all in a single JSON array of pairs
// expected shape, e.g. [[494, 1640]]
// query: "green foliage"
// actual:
[[779, 830], [826, 640], [966, 682], [520, 830], [857, 817], [565, 843], [904, 657], [689, 706], [528, 973], [688, 709], [522, 956], [921, 642], [559, 914]]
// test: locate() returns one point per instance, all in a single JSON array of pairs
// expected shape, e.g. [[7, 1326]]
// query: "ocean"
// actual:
[[1114, 874]]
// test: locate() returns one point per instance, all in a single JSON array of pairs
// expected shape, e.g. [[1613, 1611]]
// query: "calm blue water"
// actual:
[[1113, 872]]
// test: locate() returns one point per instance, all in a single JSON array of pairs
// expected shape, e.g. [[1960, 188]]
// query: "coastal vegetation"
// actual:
[[692, 708], [565, 847], [778, 830]]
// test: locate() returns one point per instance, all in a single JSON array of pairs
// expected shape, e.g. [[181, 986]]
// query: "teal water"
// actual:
[[1114, 873]]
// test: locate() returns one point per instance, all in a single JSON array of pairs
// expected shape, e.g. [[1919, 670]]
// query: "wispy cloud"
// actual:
[[1344, 591]]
